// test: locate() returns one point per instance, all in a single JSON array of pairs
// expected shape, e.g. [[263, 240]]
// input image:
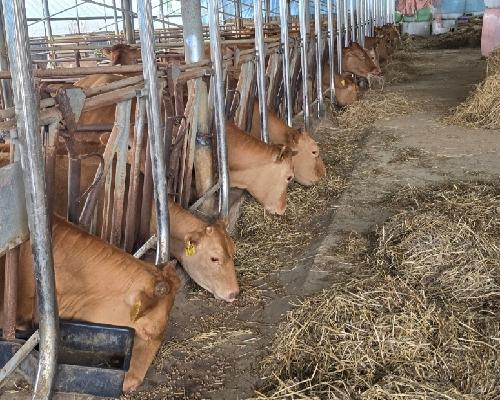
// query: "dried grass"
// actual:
[[481, 109], [374, 106], [266, 243], [468, 35], [493, 64], [424, 325]]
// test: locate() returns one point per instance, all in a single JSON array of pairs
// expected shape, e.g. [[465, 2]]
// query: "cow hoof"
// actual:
[[131, 383]]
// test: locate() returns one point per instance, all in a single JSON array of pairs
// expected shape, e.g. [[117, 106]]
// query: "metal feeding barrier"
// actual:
[[282, 68]]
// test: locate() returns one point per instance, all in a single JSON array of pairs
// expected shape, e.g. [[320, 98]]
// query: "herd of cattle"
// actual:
[[100, 283]]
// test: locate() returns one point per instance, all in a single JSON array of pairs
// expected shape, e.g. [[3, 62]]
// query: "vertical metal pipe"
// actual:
[[77, 17], [319, 49], [159, 159], [353, 23], [127, 18], [286, 60], [237, 11], [4, 64], [46, 20], [194, 52], [346, 23], [220, 118], [261, 67], [26, 105], [115, 17], [338, 11], [304, 29], [331, 49]]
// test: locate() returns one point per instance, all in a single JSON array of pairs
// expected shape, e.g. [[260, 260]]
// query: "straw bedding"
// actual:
[[373, 106], [421, 321], [493, 65], [482, 108], [468, 35]]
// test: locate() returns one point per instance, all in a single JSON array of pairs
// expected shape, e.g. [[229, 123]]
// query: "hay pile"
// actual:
[[373, 106], [468, 35], [482, 108], [266, 243], [493, 65], [423, 325]]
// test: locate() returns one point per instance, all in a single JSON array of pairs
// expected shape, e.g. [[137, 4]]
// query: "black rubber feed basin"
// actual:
[[93, 358]]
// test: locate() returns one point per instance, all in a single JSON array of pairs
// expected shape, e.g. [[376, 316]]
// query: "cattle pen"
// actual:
[[266, 199]]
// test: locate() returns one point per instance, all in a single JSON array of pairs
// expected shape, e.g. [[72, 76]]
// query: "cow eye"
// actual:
[[214, 259], [315, 152], [289, 178]]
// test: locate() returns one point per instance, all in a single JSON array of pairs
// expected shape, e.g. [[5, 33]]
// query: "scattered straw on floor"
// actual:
[[468, 35], [493, 65], [412, 329], [482, 108], [373, 106]]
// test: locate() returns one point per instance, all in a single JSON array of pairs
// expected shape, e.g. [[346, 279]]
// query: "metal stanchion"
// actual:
[[261, 67], [319, 48], [220, 118], [331, 49], [304, 29], [159, 159], [340, 21], [26, 104], [286, 60]]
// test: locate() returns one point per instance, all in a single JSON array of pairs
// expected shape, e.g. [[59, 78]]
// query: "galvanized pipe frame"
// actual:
[[304, 30], [340, 21], [33, 168], [220, 119], [331, 49], [159, 159], [319, 58], [261, 68], [284, 16]]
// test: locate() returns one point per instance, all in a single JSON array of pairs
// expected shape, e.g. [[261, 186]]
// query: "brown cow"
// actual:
[[308, 166], [99, 283], [356, 60], [122, 54], [379, 44], [346, 88], [212, 265], [264, 170]]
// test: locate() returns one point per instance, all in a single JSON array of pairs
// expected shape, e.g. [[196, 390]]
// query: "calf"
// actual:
[[99, 283], [308, 166], [356, 60], [206, 251], [262, 169], [346, 88], [211, 265]]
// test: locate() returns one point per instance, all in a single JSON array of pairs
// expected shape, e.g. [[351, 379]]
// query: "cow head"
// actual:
[[357, 61], [122, 54], [268, 182], [208, 258], [149, 302], [308, 166], [373, 54], [346, 90]]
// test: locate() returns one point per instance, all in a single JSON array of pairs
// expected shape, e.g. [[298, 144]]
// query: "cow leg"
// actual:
[[143, 354]]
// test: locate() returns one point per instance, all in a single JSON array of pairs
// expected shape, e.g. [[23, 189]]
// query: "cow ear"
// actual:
[[294, 137], [280, 152]]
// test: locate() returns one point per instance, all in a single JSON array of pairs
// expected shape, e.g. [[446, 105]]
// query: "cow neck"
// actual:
[[241, 144], [182, 221]]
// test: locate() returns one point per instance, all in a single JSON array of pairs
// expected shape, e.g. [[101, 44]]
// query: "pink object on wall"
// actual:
[[490, 38]]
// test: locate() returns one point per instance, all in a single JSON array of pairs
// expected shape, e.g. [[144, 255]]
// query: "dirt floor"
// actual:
[[214, 350]]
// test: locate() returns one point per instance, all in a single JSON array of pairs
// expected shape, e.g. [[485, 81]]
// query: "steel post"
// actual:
[[346, 23], [331, 49], [115, 18], [353, 22], [284, 15], [340, 21], [304, 29], [261, 67], [159, 160], [319, 48], [26, 104], [195, 52], [220, 118], [4, 65], [127, 19]]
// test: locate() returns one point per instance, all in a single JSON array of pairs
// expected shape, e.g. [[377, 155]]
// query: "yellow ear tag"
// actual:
[[135, 311], [190, 250], [343, 82]]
